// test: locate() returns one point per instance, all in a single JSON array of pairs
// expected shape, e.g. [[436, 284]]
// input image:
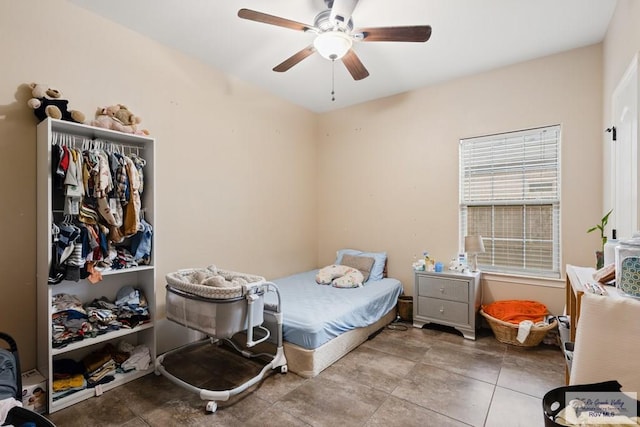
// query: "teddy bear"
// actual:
[[118, 117], [122, 113], [47, 102]]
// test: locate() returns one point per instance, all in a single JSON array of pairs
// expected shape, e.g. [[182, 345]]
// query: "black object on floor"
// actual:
[[18, 416]]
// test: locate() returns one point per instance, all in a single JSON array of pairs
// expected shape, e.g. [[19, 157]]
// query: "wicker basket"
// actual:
[[507, 332]]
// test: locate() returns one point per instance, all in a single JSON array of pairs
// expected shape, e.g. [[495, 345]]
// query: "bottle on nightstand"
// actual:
[[428, 262]]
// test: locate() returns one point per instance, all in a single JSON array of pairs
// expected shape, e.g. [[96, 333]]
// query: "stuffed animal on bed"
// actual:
[[340, 276]]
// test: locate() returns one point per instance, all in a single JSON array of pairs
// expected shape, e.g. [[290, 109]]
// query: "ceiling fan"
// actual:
[[335, 35]]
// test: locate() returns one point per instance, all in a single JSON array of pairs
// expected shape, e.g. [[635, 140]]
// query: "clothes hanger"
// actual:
[[55, 231]]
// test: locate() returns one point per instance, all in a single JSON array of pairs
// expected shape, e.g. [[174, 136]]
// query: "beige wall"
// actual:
[[234, 164], [389, 168], [620, 45]]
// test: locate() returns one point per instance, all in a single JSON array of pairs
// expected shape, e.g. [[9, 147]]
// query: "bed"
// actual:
[[312, 325], [322, 323]]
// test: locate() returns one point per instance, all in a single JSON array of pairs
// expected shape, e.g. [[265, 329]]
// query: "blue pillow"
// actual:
[[380, 258]]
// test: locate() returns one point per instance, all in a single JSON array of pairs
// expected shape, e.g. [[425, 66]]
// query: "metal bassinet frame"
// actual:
[[251, 299]]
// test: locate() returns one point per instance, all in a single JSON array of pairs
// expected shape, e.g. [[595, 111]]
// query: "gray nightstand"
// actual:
[[447, 298]]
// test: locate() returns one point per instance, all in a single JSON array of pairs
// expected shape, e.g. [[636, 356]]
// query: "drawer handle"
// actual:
[[442, 290], [441, 309]]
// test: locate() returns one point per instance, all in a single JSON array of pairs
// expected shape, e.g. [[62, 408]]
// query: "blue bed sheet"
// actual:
[[314, 314]]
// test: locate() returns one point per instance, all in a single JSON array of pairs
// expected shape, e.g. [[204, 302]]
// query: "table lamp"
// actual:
[[473, 246]]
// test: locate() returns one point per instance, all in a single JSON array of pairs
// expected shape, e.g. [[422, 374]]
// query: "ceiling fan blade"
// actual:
[[341, 11], [253, 15], [354, 65], [415, 33], [294, 59]]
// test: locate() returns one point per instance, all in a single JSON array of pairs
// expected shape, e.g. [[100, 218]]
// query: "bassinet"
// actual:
[[221, 303], [215, 301]]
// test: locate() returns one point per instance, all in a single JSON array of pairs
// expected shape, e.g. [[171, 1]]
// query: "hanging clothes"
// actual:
[[132, 211], [101, 188], [141, 243]]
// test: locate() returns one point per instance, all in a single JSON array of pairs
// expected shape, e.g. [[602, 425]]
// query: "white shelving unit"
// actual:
[[142, 277]]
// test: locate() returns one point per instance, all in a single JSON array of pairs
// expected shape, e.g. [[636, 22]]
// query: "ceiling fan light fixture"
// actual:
[[332, 45]]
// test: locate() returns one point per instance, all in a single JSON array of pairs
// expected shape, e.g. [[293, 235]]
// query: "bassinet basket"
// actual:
[[507, 332], [185, 280], [219, 309]]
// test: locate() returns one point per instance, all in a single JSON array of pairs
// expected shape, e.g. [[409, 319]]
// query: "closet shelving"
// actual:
[[141, 277]]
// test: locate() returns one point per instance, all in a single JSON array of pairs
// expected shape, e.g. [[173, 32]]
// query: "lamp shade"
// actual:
[[473, 244], [333, 44]]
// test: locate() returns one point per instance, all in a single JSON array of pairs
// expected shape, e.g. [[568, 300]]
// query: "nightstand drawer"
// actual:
[[450, 311], [444, 288]]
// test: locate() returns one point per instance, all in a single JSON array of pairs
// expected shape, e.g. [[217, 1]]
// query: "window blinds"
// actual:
[[510, 195]]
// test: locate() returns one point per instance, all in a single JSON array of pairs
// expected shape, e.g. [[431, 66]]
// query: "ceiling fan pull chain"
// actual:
[[333, 79]]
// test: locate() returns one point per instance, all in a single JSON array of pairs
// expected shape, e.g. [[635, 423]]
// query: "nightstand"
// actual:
[[448, 298]]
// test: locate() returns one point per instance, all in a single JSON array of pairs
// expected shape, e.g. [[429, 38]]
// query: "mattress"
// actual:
[[315, 314], [309, 363]]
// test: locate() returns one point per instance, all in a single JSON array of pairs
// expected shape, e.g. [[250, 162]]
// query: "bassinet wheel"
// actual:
[[212, 406], [284, 369]]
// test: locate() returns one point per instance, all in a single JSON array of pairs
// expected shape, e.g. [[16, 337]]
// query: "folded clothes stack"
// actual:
[[98, 367]]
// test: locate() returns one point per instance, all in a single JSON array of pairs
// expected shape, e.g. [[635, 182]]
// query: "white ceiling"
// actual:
[[469, 36]]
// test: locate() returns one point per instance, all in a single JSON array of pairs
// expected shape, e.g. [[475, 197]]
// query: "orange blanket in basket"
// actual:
[[515, 311]]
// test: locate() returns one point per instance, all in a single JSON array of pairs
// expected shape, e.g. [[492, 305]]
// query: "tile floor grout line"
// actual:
[[486, 416]]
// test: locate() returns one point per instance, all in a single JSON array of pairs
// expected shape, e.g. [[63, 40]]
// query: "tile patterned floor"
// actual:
[[417, 377]]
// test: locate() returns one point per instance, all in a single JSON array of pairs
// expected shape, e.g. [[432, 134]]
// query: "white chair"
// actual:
[[607, 345]]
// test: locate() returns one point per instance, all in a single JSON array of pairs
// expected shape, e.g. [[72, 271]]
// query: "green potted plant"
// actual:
[[603, 237]]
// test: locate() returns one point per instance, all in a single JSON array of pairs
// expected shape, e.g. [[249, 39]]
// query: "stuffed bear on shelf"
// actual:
[[118, 117], [48, 102]]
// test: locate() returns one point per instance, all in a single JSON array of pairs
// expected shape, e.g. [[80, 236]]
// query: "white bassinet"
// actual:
[[221, 303]]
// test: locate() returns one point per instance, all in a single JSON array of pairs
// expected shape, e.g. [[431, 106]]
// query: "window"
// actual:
[[510, 195]]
